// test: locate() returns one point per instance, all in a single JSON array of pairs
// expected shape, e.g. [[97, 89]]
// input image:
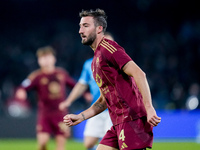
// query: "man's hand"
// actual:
[[21, 94], [152, 117], [88, 97], [71, 119], [63, 105]]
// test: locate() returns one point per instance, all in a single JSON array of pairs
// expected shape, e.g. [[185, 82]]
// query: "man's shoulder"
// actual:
[[88, 63], [35, 74], [109, 46]]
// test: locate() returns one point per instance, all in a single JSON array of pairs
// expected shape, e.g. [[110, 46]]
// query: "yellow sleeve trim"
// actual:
[[108, 46]]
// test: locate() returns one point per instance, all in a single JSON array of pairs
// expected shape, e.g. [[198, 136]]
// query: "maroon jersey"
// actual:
[[123, 98], [51, 88]]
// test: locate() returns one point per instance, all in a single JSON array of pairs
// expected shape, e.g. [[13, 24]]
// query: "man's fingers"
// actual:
[[66, 117], [158, 118], [155, 120], [153, 123], [67, 120]]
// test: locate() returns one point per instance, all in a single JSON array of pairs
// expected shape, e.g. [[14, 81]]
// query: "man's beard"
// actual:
[[90, 39]]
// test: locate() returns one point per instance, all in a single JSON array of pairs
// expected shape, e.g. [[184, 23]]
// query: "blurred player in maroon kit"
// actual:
[[124, 90], [51, 84]]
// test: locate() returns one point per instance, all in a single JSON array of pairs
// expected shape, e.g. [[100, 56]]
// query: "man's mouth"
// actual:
[[83, 36]]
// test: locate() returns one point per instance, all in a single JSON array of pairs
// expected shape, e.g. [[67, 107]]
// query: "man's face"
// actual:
[[87, 30], [47, 60]]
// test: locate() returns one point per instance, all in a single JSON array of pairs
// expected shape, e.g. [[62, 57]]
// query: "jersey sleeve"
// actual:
[[30, 81], [85, 75], [116, 55], [69, 80]]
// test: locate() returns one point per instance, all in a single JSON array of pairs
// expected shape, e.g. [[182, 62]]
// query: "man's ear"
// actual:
[[99, 29]]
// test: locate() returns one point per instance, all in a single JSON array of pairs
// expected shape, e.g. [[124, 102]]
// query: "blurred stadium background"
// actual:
[[162, 37]]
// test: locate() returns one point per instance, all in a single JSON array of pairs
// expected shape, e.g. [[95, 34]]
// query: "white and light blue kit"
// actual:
[[97, 125]]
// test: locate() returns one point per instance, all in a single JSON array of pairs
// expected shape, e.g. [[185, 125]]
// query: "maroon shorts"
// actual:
[[52, 124], [136, 134]]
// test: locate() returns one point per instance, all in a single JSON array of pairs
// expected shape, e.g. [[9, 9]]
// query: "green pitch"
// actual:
[[176, 146], [30, 144]]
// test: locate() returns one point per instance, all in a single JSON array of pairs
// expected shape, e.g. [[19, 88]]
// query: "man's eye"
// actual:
[[86, 25]]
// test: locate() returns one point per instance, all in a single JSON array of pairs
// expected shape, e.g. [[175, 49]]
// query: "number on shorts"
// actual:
[[121, 135]]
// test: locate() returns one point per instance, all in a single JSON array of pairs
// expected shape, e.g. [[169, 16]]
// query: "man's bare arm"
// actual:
[[96, 108], [139, 76], [76, 93]]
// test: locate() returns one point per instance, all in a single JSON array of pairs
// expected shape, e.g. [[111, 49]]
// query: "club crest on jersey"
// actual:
[[44, 81], [98, 80]]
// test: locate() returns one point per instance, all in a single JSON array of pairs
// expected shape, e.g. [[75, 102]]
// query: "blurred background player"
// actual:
[[50, 83], [97, 126]]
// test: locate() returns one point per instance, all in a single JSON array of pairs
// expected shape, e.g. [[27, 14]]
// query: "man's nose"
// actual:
[[80, 30]]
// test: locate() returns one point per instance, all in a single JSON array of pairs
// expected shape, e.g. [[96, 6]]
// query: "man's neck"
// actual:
[[48, 70], [96, 42]]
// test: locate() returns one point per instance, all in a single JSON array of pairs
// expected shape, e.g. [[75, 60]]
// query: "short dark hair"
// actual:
[[99, 15]]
